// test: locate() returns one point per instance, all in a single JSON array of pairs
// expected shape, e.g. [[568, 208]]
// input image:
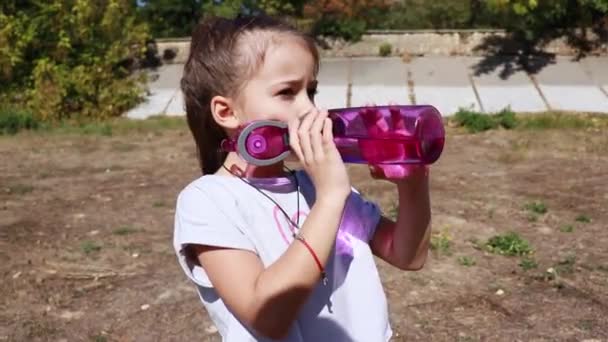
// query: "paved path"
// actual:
[[448, 83]]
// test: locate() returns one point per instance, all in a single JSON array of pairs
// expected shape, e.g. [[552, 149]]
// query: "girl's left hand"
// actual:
[[398, 173], [377, 126]]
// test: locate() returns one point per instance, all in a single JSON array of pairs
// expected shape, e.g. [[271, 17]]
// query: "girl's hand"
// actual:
[[377, 126], [311, 139], [398, 173]]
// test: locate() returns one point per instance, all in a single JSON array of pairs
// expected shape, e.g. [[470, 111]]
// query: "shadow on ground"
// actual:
[[518, 52]]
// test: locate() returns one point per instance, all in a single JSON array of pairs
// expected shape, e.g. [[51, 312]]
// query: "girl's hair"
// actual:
[[224, 54]]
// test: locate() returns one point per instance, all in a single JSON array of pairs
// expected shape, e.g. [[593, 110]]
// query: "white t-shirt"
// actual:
[[227, 212]]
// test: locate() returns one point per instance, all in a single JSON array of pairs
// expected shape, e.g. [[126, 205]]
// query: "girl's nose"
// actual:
[[307, 107], [303, 113]]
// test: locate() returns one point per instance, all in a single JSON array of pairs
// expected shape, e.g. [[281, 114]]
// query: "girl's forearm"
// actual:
[[284, 286], [412, 230]]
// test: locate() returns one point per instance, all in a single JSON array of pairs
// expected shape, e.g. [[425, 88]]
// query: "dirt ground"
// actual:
[[86, 230]]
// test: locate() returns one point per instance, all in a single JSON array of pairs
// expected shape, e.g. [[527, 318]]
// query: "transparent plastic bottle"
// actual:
[[397, 134]]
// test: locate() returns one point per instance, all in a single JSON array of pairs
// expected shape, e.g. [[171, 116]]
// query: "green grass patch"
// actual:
[[527, 263], [510, 244], [156, 123], [536, 207], [99, 338], [120, 126], [11, 123], [585, 324], [474, 121], [567, 228], [124, 230], [441, 242], [19, 189], [561, 120], [466, 261], [89, 247], [95, 128], [583, 219], [159, 204]]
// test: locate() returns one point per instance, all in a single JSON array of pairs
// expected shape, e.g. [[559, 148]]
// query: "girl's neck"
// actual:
[[240, 167]]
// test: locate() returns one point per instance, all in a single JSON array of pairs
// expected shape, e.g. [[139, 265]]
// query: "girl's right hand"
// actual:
[[312, 140]]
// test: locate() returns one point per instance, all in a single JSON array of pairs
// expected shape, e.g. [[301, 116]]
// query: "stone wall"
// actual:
[[415, 43]]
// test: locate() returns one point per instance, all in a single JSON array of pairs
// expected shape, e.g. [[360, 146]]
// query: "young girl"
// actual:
[[277, 254]]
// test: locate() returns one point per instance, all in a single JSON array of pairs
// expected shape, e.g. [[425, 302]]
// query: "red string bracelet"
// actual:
[[300, 238]]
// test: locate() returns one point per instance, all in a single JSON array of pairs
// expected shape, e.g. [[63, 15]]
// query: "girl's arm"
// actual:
[[269, 300], [405, 243]]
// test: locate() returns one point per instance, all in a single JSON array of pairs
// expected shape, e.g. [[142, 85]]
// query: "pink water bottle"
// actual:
[[395, 134]]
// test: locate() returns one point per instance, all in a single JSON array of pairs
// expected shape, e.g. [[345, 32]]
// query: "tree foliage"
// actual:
[[347, 19], [534, 23], [68, 58], [421, 14], [170, 18], [177, 18]]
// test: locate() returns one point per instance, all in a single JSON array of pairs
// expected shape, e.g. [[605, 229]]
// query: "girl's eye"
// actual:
[[286, 92]]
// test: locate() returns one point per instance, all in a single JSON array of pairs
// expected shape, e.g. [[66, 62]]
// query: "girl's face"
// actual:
[[282, 88]]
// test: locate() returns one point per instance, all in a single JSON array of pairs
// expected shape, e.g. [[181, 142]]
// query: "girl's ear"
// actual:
[[223, 111]]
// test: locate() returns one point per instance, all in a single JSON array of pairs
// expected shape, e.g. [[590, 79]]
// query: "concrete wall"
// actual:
[[403, 43], [174, 50]]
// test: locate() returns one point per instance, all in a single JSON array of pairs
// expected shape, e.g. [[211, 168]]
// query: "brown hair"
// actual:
[[224, 53]]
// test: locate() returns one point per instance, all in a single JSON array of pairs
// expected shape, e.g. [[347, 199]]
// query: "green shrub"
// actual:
[[478, 122], [385, 49], [506, 118], [71, 58], [474, 121], [349, 29], [13, 120], [421, 14]]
